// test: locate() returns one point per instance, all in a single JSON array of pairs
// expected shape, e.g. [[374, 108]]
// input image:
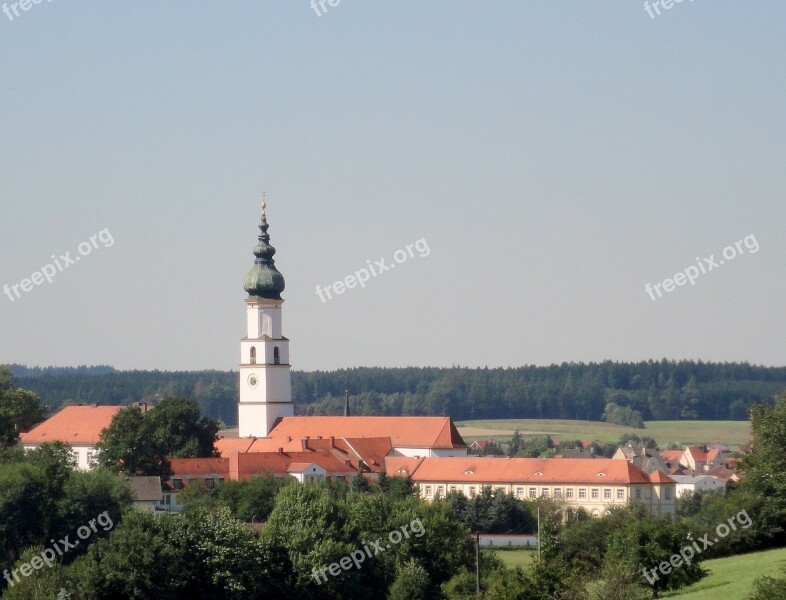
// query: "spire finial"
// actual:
[[264, 204]]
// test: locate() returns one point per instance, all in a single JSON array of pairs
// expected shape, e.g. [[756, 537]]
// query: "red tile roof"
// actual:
[[402, 466], [184, 467], [73, 425], [404, 432], [484, 470], [659, 477], [672, 456], [698, 453]]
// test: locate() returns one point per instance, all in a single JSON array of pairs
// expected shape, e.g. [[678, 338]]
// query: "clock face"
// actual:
[[253, 381]]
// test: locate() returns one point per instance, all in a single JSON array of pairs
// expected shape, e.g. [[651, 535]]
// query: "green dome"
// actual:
[[264, 280]]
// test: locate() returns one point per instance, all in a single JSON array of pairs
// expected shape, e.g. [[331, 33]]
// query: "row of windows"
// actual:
[[569, 493]]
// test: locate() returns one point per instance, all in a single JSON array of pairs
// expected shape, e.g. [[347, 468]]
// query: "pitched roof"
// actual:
[[660, 477], [697, 452], [672, 456], [146, 488], [491, 470], [248, 464], [404, 432], [229, 446], [184, 467], [402, 466], [73, 425]]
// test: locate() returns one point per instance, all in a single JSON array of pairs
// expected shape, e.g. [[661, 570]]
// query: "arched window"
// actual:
[[253, 355], [276, 356]]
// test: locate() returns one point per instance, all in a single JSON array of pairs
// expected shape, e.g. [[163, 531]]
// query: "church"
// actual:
[[271, 439]]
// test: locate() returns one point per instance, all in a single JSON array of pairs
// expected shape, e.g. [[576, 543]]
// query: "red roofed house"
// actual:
[[78, 426], [595, 485]]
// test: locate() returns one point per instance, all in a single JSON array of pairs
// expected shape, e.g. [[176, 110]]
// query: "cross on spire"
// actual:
[[264, 204]]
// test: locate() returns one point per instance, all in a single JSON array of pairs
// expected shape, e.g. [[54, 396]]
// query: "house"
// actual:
[[693, 459], [694, 483], [146, 492], [595, 485], [638, 454], [78, 426]]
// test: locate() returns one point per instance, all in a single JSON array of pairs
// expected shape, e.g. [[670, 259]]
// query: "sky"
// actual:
[[544, 161]]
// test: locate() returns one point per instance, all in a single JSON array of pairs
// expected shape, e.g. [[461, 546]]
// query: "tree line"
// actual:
[[619, 392]]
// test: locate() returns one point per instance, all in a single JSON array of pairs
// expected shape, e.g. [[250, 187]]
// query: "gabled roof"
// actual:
[[73, 425], [249, 464], [146, 488], [490, 470], [697, 452], [404, 432]]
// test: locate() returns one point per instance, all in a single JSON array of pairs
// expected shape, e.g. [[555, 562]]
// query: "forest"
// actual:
[[651, 390]]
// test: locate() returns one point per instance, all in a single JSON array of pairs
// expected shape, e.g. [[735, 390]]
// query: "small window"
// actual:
[[595, 493], [276, 356], [253, 358], [472, 491], [668, 493], [533, 493], [428, 490], [620, 494], [177, 484], [452, 488], [638, 494], [607, 494], [544, 492], [582, 494], [519, 492], [569, 493], [557, 492], [210, 483]]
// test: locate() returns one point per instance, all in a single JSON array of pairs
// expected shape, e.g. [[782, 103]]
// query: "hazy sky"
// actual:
[[555, 157]]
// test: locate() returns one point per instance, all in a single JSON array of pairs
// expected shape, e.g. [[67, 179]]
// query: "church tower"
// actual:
[[265, 383]]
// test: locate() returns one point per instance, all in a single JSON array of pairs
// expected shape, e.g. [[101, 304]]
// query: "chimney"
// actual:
[[332, 441], [280, 451], [304, 443], [346, 403]]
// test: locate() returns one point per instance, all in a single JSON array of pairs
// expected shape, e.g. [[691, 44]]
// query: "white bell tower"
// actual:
[[265, 382]]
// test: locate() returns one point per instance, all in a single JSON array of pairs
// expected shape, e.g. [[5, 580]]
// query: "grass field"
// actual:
[[730, 578], [516, 558], [682, 433]]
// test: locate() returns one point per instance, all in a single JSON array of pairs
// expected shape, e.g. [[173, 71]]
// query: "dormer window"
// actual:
[[538, 473], [469, 471], [601, 474]]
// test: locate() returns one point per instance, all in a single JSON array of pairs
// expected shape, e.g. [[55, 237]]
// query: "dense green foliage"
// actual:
[[656, 390], [20, 409], [138, 443], [43, 498]]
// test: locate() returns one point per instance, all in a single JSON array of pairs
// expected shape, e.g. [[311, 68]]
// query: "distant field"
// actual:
[[732, 577], [517, 558], [732, 433]]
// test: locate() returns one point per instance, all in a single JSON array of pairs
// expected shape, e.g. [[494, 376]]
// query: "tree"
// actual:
[[765, 467], [412, 583], [20, 409], [142, 444]]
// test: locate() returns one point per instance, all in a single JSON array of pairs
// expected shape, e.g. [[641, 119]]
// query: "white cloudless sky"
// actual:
[[555, 156]]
